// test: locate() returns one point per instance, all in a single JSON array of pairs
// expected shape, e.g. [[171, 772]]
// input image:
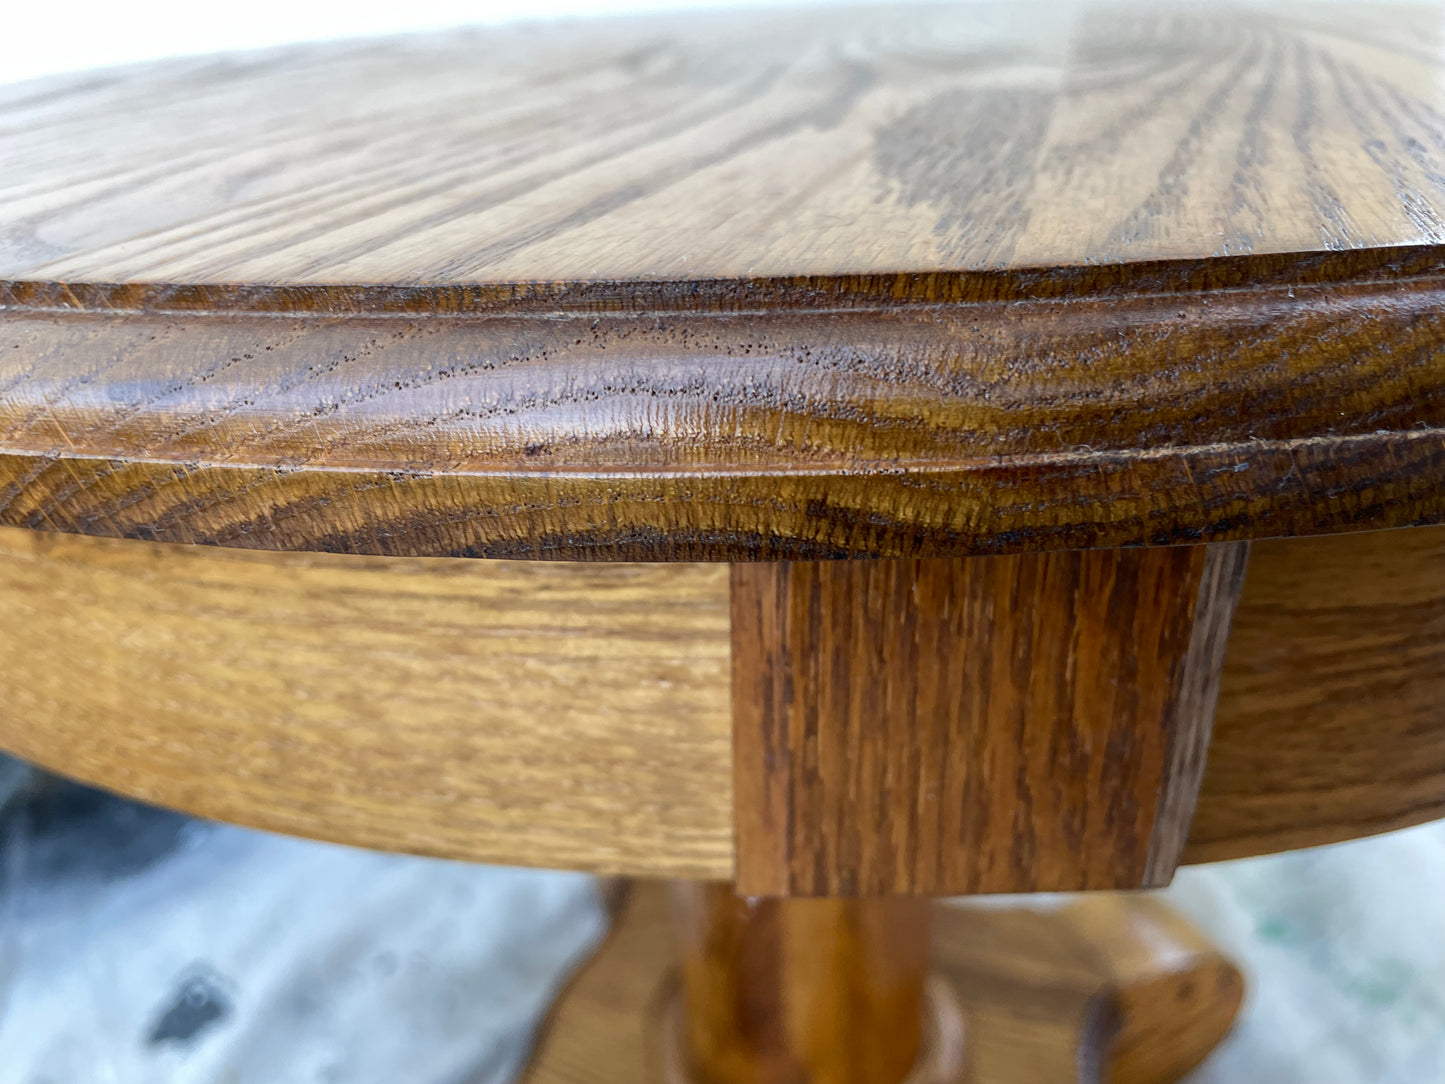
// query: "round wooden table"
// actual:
[[871, 455]]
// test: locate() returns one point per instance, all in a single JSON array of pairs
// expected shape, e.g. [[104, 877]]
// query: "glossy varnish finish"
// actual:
[[1002, 724], [892, 416], [941, 282]]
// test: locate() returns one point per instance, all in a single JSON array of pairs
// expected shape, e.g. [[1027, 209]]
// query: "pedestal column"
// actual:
[[799, 991]]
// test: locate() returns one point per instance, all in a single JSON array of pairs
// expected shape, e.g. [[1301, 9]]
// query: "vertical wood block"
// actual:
[[995, 724]]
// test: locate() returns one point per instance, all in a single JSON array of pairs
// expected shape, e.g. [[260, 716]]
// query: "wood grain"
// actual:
[[899, 416], [551, 715], [853, 141], [1111, 987], [1119, 991], [580, 715], [791, 991], [1331, 720], [1176, 994], [1003, 724], [950, 281], [1195, 693]]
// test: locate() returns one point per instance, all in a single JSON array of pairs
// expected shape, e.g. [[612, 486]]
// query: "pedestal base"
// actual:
[[1115, 988]]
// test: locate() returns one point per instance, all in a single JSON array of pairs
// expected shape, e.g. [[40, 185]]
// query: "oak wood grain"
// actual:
[[1002, 724], [454, 707], [839, 142], [940, 282], [1331, 720], [1095, 409], [552, 715]]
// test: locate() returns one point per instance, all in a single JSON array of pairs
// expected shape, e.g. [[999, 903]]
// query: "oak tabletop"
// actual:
[[839, 142], [946, 279]]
